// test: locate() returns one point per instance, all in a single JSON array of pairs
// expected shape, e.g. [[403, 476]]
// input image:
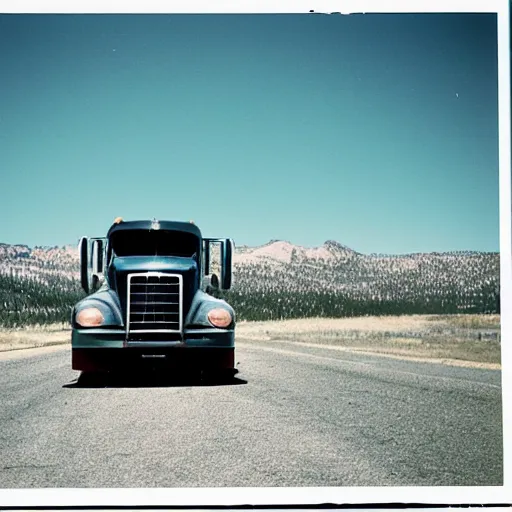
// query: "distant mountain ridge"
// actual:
[[276, 250], [341, 263], [23, 261], [280, 280], [286, 252], [335, 245]]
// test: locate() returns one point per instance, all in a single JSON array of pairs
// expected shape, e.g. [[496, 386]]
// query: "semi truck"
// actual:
[[150, 301]]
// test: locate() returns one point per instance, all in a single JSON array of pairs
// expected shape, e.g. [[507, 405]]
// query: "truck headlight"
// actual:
[[219, 317], [90, 317]]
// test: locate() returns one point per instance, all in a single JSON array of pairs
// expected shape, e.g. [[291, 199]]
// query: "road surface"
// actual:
[[295, 416]]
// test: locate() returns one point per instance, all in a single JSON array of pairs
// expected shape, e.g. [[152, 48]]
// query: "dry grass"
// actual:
[[468, 321], [334, 326], [34, 336], [456, 337]]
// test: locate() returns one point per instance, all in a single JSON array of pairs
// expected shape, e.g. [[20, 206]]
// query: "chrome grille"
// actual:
[[154, 303]]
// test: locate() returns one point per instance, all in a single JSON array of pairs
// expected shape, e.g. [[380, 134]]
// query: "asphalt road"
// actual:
[[295, 416]]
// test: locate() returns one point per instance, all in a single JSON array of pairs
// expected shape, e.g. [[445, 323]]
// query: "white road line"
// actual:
[[360, 363], [303, 354]]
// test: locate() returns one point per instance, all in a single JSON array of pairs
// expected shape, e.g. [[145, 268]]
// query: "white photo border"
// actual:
[[231, 497]]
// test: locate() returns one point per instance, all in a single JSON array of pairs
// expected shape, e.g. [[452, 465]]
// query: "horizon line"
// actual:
[[273, 241]]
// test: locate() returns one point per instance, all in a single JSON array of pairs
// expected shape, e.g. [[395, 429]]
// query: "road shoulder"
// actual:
[[354, 350], [33, 351]]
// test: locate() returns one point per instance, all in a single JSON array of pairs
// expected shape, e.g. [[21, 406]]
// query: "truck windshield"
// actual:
[[137, 242]]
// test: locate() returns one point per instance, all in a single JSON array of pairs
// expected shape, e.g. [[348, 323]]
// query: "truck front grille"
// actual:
[[154, 304]]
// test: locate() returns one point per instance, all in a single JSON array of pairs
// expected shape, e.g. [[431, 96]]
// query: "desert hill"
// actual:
[[280, 280]]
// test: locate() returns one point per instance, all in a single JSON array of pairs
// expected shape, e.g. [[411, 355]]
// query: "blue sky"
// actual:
[[378, 131]]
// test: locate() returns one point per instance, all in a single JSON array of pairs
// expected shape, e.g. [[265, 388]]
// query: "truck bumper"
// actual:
[[103, 350], [140, 359]]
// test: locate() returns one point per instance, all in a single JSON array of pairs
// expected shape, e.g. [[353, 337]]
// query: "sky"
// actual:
[[379, 131]]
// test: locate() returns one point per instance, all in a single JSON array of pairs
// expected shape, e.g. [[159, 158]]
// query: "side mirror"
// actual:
[[226, 246], [206, 257], [98, 251], [83, 251], [226, 269], [97, 256], [92, 252]]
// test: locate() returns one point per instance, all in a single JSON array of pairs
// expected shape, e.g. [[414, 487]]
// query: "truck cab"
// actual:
[[150, 302]]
